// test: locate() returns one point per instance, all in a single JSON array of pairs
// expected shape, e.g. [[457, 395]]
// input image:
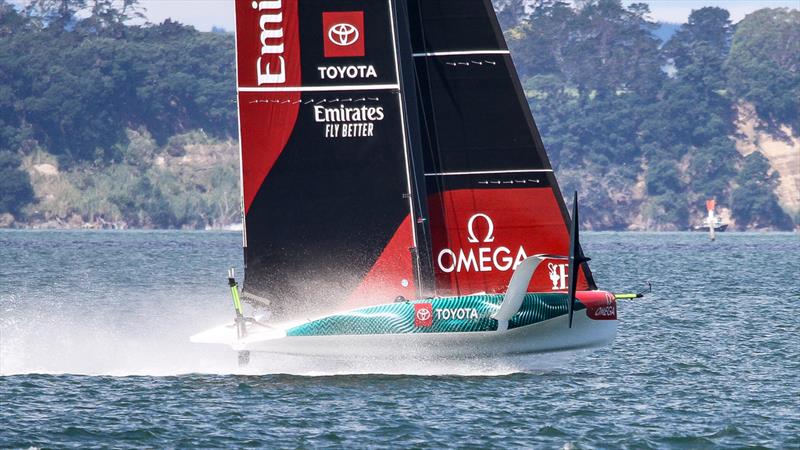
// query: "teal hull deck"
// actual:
[[438, 315]]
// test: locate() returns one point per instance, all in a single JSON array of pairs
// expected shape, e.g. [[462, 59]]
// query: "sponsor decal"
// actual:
[[558, 276], [484, 258], [603, 309], [343, 34], [267, 55], [347, 72], [348, 121], [456, 313], [271, 65], [473, 255], [488, 258], [423, 315]]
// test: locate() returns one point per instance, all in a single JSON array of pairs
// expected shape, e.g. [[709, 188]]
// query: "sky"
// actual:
[[205, 14]]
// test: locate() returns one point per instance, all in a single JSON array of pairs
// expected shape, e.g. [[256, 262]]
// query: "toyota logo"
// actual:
[[423, 315], [343, 34]]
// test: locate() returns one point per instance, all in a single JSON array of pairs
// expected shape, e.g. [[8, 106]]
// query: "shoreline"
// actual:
[[236, 228]]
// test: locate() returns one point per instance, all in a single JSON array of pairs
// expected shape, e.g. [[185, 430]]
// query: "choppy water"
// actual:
[[94, 352]]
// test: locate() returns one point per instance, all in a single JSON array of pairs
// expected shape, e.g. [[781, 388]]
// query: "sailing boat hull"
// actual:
[[549, 336], [443, 328]]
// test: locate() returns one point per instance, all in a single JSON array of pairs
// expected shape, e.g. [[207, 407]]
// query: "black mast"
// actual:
[[421, 254]]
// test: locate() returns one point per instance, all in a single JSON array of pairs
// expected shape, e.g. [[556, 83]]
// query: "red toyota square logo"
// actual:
[[423, 315], [343, 33]]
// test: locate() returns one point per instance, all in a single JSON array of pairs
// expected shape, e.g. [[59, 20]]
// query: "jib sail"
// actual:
[[325, 173], [492, 197]]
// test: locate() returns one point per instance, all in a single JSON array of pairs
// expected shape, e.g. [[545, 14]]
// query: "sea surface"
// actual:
[[94, 352]]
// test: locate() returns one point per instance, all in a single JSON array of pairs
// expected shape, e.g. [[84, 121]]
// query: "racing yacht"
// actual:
[[397, 198]]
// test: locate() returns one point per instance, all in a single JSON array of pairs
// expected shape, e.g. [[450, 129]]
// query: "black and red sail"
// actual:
[[327, 218], [387, 147], [491, 194]]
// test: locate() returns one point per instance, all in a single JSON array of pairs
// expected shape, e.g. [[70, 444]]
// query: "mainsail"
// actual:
[[387, 150], [492, 196], [328, 217]]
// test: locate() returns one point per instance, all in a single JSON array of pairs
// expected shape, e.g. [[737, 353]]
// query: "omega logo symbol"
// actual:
[[343, 34], [471, 227]]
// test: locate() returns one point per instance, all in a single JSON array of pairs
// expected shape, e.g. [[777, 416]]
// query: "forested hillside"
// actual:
[[105, 123], [647, 130], [115, 125]]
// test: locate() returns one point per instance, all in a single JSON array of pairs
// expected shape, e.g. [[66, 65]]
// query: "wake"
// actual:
[[118, 336], [144, 334]]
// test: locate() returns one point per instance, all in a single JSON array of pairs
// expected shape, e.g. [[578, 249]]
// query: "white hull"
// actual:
[[544, 337]]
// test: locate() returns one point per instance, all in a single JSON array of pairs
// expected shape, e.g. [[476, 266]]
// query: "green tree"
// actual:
[[707, 32], [145, 205], [615, 109], [10, 20], [663, 177], [510, 13], [76, 92], [753, 202], [56, 14], [667, 211], [613, 49], [538, 45], [712, 167], [12, 129], [108, 17], [763, 64], [15, 185]]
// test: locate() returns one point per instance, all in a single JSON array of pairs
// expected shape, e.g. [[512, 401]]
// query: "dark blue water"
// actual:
[[94, 353]]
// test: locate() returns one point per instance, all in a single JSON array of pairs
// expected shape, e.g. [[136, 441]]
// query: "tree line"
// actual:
[[644, 126], [77, 75], [615, 102]]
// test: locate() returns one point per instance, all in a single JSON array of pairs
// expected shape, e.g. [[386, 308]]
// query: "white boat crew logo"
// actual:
[[558, 276], [481, 259], [343, 34]]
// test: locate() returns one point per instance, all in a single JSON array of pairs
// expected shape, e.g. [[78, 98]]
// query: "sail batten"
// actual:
[[364, 87], [462, 53], [488, 172]]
